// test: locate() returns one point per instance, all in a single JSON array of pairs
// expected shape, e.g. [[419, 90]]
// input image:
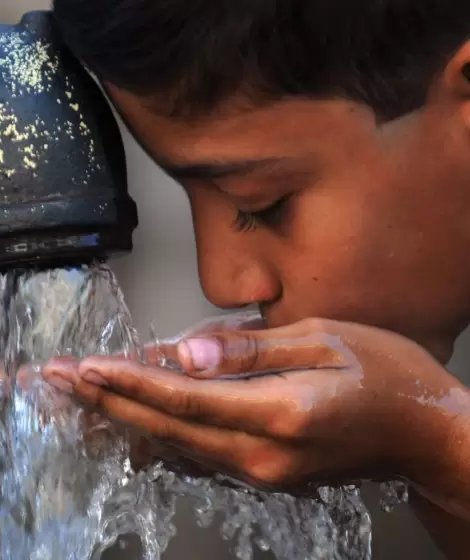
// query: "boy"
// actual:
[[325, 149]]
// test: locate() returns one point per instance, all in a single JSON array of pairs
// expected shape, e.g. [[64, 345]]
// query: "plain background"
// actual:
[[161, 285]]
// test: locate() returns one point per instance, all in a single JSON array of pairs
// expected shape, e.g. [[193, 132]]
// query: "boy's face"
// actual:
[[372, 222]]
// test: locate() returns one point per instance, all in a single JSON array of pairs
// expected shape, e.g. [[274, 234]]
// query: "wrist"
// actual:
[[439, 464]]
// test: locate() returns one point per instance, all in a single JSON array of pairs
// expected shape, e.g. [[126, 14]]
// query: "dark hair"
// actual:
[[200, 52]]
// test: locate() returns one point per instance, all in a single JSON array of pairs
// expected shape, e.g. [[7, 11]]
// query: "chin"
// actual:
[[441, 349]]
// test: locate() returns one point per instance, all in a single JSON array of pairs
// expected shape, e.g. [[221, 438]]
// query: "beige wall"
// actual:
[[161, 285]]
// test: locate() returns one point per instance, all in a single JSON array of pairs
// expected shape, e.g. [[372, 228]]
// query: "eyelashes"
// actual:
[[245, 221], [272, 216]]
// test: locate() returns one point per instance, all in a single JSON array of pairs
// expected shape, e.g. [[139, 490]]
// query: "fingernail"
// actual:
[[60, 383], [202, 353], [60, 366], [95, 378]]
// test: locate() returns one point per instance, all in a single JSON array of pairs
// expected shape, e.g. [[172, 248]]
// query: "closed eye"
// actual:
[[271, 216]]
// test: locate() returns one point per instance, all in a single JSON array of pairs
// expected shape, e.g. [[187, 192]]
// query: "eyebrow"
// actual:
[[216, 169]]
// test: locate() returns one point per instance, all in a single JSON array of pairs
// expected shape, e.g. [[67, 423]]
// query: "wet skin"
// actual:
[[312, 208]]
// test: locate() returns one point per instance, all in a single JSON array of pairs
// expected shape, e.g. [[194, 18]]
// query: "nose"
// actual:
[[232, 272]]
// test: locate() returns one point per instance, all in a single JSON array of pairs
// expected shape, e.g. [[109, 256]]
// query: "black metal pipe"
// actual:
[[63, 177]]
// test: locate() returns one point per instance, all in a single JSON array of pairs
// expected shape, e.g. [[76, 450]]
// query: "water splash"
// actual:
[[60, 463], [67, 486]]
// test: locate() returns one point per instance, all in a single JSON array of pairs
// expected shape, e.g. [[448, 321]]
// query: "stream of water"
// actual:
[[67, 488]]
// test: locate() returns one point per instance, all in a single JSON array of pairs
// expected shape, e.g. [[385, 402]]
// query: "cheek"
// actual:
[[340, 229], [378, 256]]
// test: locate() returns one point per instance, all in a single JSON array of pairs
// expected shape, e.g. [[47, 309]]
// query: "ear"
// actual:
[[456, 76]]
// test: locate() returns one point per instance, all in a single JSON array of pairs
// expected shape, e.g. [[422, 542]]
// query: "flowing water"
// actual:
[[67, 488]]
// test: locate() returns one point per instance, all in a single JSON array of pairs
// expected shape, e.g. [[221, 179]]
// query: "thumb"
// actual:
[[167, 348], [251, 353]]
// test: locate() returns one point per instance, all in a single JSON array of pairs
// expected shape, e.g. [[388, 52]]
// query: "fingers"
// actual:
[[257, 406], [170, 438], [256, 352], [261, 406], [169, 430], [66, 369], [243, 456]]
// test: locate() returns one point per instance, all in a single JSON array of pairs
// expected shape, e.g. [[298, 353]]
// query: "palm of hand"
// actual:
[[341, 409]]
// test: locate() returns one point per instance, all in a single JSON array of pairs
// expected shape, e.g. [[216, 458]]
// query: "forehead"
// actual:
[[281, 128]]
